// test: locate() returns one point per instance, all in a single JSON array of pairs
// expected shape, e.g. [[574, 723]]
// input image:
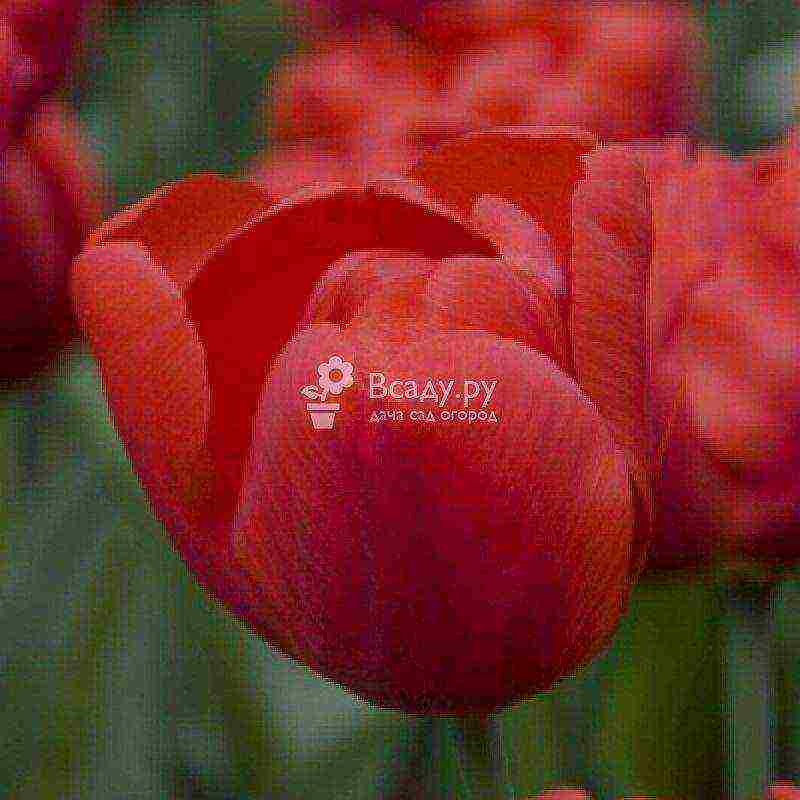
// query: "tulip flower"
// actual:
[[49, 187], [279, 373], [724, 326]]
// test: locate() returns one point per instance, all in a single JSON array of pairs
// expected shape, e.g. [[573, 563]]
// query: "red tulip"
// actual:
[[49, 201], [436, 565], [724, 325], [49, 195]]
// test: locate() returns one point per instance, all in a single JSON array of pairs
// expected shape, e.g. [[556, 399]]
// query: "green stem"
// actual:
[[576, 704], [8, 479], [439, 779], [750, 691], [478, 741]]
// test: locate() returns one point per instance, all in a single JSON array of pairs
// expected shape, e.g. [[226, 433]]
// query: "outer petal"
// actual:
[[49, 200], [699, 208], [534, 168], [527, 522], [55, 145], [610, 274], [610, 285], [249, 297], [154, 375], [522, 242], [183, 222]]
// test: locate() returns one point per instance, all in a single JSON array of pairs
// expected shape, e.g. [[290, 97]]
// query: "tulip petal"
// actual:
[[183, 222], [58, 150], [610, 275], [523, 243], [470, 293], [754, 519], [154, 376], [248, 299], [534, 168], [689, 500], [405, 540], [740, 351], [153, 373], [734, 422], [347, 285], [379, 291]]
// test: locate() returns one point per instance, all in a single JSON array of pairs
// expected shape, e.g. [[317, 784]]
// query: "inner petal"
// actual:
[[470, 293], [249, 298], [348, 284]]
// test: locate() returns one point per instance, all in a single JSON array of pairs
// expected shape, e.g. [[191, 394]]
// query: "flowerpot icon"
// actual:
[[335, 375], [322, 415]]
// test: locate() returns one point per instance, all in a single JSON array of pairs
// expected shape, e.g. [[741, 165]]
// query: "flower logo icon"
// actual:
[[335, 375]]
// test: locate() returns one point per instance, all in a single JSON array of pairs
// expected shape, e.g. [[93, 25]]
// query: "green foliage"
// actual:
[[747, 37], [177, 87]]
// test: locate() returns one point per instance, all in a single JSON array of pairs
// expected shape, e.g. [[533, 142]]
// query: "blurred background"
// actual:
[[119, 678]]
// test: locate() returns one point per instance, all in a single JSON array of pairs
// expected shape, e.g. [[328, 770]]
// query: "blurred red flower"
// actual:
[[331, 13], [725, 331], [49, 186], [783, 791], [439, 568], [624, 70]]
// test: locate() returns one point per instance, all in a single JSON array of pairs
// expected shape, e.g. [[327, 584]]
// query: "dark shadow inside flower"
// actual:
[[283, 256]]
